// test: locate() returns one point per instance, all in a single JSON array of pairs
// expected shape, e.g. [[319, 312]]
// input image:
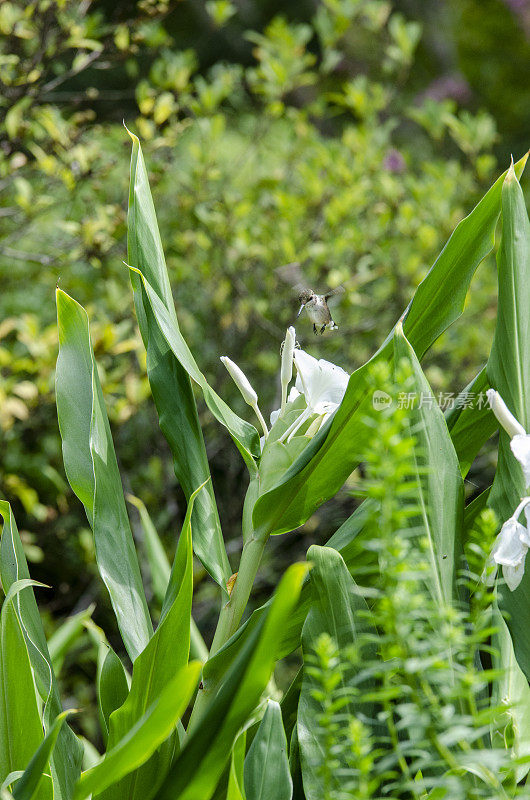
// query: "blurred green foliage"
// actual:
[[270, 137]]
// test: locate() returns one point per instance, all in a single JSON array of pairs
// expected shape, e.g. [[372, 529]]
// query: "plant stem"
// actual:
[[231, 614], [232, 611]]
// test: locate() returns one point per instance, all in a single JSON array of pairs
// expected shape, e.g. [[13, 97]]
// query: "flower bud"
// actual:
[[287, 356], [503, 414], [241, 381]]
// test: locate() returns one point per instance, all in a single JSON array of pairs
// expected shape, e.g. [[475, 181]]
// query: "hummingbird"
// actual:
[[316, 305]]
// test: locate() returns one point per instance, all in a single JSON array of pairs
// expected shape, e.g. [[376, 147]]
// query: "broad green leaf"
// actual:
[[440, 492], [68, 752], [471, 425], [112, 680], [267, 775], [289, 703], [439, 299], [91, 756], [201, 762], [160, 568], [153, 728], [169, 379], [166, 653], [244, 435], [474, 508], [20, 725], [509, 373], [113, 688], [334, 612], [295, 767], [320, 471], [67, 635], [512, 691], [29, 785], [92, 470], [236, 788]]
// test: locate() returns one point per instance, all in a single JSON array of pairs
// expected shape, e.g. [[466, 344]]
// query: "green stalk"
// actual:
[[232, 611]]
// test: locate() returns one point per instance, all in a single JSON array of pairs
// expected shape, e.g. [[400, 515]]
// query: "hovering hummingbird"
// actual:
[[315, 304]]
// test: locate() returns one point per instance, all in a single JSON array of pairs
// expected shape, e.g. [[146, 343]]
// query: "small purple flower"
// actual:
[[394, 161]]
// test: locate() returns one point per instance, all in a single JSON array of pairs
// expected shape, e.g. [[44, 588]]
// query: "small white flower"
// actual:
[[243, 384], [323, 385], [520, 439], [511, 547], [320, 383]]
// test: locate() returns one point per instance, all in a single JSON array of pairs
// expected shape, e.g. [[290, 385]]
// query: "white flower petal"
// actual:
[[525, 537], [508, 549], [308, 373], [320, 381], [325, 407], [520, 445], [513, 575]]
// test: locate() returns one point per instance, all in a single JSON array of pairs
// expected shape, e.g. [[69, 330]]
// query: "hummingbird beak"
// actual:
[[301, 309]]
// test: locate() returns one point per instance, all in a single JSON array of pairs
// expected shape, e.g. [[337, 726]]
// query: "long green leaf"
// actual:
[[320, 471], [334, 612], [160, 568], [267, 775], [509, 373], [112, 688], [29, 785], [92, 471], [512, 691], [471, 425], [439, 299], [20, 725], [244, 435], [153, 728], [66, 635], [236, 788], [440, 488], [166, 653], [68, 752], [203, 759], [168, 377]]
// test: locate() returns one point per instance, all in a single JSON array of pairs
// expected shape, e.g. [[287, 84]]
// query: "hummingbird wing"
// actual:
[[333, 294], [292, 274]]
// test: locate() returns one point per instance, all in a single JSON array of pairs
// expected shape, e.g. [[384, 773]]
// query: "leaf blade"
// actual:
[[79, 399]]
